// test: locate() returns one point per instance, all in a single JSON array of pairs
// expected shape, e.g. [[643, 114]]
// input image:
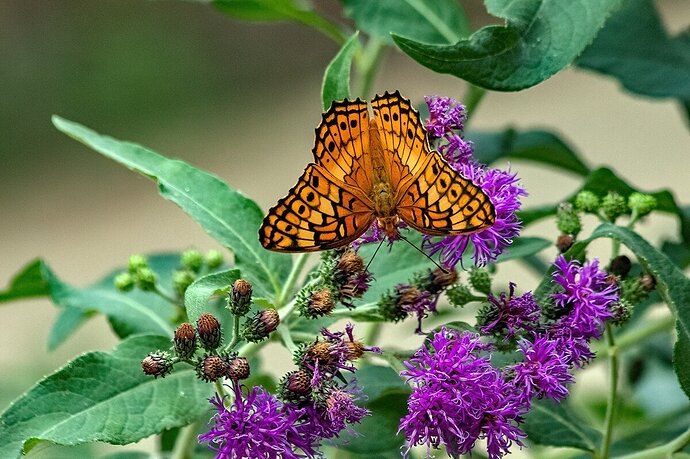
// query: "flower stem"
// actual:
[[291, 280], [613, 392], [185, 442], [235, 333], [372, 334], [165, 296], [636, 336], [662, 451]]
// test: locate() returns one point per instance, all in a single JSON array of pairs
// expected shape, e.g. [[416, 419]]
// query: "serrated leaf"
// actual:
[[553, 424], [278, 10], [540, 38], [635, 49], [225, 213], [336, 79], [27, 283], [103, 396], [197, 295], [537, 146], [428, 21]]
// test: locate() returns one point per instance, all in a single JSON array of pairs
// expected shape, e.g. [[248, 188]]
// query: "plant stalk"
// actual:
[[612, 394], [185, 442]]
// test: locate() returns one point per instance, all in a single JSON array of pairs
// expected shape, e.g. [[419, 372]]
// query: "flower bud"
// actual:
[[238, 368], [355, 287], [182, 280], [613, 205], [145, 279], [564, 242], [480, 280], [642, 204], [322, 352], [620, 266], [240, 299], [192, 260], [185, 341], [157, 364], [211, 367], [320, 303], [296, 386], [648, 282], [567, 219], [459, 295], [258, 328], [622, 310], [124, 282], [210, 333], [438, 279], [389, 309], [136, 262], [214, 259], [350, 263], [587, 201]]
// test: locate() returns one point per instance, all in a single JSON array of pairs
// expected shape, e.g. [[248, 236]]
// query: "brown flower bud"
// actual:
[[210, 333], [240, 297], [356, 349], [321, 303], [261, 325], [440, 279], [211, 367], [298, 382], [564, 242], [620, 266], [185, 341], [321, 351], [350, 263], [407, 295], [238, 368], [648, 282], [157, 364]]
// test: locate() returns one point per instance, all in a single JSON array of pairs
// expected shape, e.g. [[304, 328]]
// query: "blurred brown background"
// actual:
[[239, 100]]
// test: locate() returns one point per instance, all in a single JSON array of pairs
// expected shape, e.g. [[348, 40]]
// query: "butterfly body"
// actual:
[[373, 169]]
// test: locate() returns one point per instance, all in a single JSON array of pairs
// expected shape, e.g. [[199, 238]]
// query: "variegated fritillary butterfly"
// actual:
[[373, 169]]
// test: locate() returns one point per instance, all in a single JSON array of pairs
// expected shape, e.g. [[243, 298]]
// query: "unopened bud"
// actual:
[[211, 367], [295, 386], [136, 262], [182, 280], [145, 279], [238, 368], [564, 242], [480, 280], [258, 327], [210, 333], [567, 219], [192, 260], [620, 266], [459, 295], [240, 299], [214, 259], [641, 203], [124, 282], [622, 310], [320, 303], [389, 309], [613, 205], [350, 263], [648, 282], [587, 201], [185, 341], [440, 279], [157, 364]]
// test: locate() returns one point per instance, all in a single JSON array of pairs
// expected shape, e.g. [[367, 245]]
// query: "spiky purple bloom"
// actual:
[[489, 243], [574, 348], [544, 370], [512, 314], [585, 298], [446, 122], [458, 398], [257, 425]]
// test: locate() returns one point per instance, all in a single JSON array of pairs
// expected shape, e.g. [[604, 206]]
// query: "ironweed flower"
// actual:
[[458, 398], [510, 315], [257, 425], [544, 371]]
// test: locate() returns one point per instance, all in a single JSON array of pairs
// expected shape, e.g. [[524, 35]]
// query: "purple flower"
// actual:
[[376, 234], [585, 297], [445, 116], [257, 426], [512, 314], [414, 301], [458, 398], [490, 242], [575, 349], [544, 371]]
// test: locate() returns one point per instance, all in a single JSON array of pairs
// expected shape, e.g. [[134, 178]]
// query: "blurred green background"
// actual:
[[240, 100]]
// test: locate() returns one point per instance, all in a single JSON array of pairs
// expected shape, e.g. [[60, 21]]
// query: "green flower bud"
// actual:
[[632, 290], [568, 219], [613, 205], [480, 280], [124, 282], [622, 310], [137, 262], [587, 201], [214, 259], [642, 204], [157, 364], [182, 280], [390, 309], [192, 260], [145, 279], [459, 295]]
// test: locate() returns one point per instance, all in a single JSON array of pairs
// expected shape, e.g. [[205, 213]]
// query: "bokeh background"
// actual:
[[239, 100]]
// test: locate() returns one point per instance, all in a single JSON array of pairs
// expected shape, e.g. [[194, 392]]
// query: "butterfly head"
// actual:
[[389, 226]]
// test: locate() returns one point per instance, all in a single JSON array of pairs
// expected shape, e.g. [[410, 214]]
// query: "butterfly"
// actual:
[[373, 169]]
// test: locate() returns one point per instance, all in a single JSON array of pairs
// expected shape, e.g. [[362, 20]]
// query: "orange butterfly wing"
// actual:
[[329, 206], [431, 196]]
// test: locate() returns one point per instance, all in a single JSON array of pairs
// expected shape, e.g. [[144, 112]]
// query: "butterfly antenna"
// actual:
[[374, 255], [425, 254]]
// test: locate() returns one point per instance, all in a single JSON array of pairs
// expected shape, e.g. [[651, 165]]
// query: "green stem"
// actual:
[[662, 451], [219, 388], [613, 392], [165, 296], [474, 96], [286, 337], [363, 309], [638, 335], [372, 334], [291, 280], [185, 442], [235, 333], [368, 64]]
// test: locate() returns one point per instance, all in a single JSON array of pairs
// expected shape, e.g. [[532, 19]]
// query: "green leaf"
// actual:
[[279, 10], [524, 247], [553, 424], [29, 282], [540, 38], [336, 79], [103, 396], [377, 381], [635, 49], [197, 295], [225, 213], [68, 321], [428, 21], [538, 146]]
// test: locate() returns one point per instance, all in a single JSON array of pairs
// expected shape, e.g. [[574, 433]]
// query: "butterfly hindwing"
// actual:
[[317, 214]]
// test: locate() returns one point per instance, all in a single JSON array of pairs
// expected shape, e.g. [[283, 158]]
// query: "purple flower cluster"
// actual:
[[459, 397], [446, 116]]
